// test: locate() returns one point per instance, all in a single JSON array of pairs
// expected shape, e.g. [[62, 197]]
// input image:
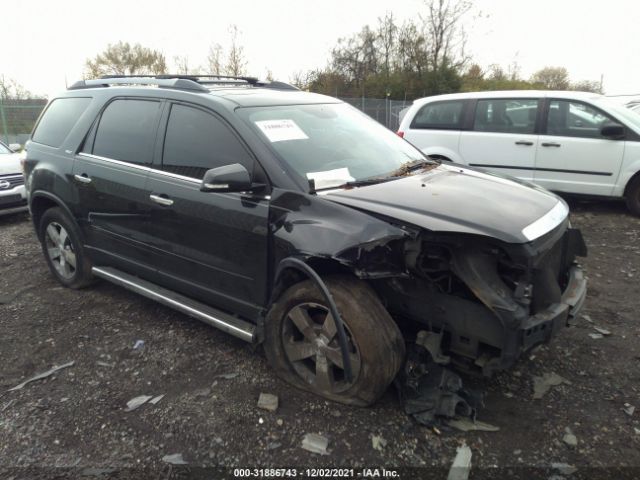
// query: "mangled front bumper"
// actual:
[[542, 326]]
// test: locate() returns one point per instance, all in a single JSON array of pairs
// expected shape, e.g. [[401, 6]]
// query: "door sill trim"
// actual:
[[212, 316]]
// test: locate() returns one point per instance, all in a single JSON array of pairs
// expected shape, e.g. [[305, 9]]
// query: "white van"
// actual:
[[572, 142]]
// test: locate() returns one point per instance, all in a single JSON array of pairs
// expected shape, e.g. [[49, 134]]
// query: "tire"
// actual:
[[63, 249], [632, 196], [376, 345]]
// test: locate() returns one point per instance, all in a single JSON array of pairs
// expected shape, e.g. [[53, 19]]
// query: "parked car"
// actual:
[[293, 220], [571, 142], [13, 197]]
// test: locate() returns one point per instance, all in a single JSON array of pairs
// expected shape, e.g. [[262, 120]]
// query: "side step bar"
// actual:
[[216, 318]]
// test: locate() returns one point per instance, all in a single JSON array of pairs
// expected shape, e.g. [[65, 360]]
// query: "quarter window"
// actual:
[[58, 120], [197, 141], [575, 119], [506, 115], [127, 131], [447, 114]]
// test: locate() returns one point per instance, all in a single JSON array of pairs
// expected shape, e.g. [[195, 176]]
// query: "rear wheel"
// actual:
[[301, 341], [63, 249], [632, 196]]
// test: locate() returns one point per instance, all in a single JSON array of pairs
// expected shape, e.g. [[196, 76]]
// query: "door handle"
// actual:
[[82, 178], [524, 142], [550, 144], [162, 200]]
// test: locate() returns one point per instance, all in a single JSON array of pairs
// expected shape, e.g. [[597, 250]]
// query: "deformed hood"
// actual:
[[457, 199]]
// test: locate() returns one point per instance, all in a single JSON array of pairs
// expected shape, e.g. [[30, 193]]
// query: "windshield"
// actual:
[[332, 144], [4, 149]]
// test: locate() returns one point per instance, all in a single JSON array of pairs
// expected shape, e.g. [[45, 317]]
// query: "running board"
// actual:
[[216, 318]]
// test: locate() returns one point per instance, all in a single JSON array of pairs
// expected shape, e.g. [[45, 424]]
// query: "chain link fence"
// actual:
[[385, 111], [17, 118]]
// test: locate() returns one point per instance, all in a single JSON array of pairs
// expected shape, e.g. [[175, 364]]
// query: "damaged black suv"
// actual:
[[293, 220]]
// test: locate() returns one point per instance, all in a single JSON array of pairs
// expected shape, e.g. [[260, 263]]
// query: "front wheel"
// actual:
[[63, 249], [301, 341]]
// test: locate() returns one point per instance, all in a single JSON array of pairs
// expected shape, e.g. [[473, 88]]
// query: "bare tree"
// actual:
[[592, 86], [236, 62], [552, 78], [124, 59], [387, 36], [214, 60], [182, 66], [444, 32], [10, 89]]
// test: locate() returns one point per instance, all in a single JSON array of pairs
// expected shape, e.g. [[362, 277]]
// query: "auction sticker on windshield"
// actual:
[[280, 130]]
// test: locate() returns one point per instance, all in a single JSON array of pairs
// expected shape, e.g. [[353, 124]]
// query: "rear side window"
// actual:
[[58, 120], [197, 141], [506, 115], [127, 131], [447, 114]]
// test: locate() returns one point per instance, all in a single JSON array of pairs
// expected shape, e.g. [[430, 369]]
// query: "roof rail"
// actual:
[[196, 83], [169, 82]]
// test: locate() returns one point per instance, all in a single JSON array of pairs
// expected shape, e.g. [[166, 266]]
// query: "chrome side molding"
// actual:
[[216, 318]]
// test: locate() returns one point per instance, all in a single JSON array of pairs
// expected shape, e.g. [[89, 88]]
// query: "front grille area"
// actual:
[[14, 181]]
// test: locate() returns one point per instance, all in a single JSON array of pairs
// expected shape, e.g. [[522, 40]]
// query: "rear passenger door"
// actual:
[[207, 245], [573, 155], [110, 172], [503, 136]]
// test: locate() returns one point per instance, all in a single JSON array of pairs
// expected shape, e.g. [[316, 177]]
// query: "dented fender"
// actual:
[[308, 226]]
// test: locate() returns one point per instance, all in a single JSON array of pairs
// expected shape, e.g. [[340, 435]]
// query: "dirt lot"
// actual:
[[73, 423]]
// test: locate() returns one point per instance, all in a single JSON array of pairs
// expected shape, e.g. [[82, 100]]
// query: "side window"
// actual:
[[446, 114], [197, 141], [506, 115], [58, 120], [127, 131], [575, 119]]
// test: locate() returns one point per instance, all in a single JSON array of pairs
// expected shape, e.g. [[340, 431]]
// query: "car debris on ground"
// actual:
[[268, 401], [468, 425], [541, 385], [461, 466], [315, 443], [629, 409], [428, 389], [569, 438], [42, 375], [174, 459], [155, 400], [602, 331], [564, 468], [137, 402], [378, 442]]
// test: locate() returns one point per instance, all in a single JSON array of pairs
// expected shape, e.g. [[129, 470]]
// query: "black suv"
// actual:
[[293, 220]]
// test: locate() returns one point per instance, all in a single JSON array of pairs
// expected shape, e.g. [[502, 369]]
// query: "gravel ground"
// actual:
[[74, 422]]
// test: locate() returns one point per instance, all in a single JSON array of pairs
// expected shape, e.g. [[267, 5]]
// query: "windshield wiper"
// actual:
[[357, 183], [408, 167]]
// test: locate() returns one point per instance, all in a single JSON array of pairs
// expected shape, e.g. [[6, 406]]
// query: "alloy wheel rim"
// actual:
[[310, 342], [60, 250]]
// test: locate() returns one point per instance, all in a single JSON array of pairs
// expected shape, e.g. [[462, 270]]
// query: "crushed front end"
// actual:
[[489, 300]]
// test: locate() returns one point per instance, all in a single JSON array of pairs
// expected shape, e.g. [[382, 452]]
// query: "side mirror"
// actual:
[[612, 131], [228, 178], [15, 147]]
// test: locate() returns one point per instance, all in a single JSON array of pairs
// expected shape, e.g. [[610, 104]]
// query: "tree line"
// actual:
[[401, 61]]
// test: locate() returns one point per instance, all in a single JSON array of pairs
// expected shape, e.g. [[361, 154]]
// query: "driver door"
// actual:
[[207, 245]]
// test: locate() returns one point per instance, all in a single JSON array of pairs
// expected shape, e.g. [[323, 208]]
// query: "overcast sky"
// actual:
[[45, 42]]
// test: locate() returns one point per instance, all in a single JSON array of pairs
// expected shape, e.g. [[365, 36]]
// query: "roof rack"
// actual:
[[195, 83]]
